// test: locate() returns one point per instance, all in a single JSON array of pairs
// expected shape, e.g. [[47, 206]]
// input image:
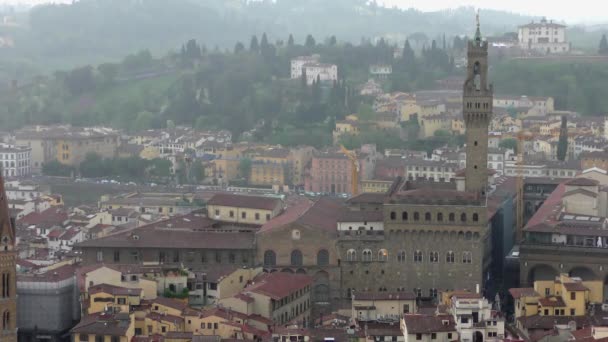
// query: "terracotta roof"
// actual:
[[322, 214], [245, 201], [581, 181], [384, 296], [519, 292], [171, 303], [178, 335], [151, 237], [222, 313], [595, 155], [245, 298], [435, 196], [548, 322], [367, 197], [52, 215], [552, 302], [55, 275], [278, 285], [55, 233], [582, 334], [575, 287], [426, 324], [155, 316], [103, 324], [69, 234], [543, 213], [114, 290], [260, 318]]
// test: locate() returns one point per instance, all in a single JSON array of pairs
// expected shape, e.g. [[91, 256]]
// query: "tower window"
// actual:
[[475, 143]]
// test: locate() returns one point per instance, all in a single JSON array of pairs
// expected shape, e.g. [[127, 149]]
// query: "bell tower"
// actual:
[[8, 274], [477, 112]]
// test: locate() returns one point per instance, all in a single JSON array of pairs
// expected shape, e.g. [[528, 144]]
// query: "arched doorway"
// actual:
[[478, 336], [541, 272], [301, 271]]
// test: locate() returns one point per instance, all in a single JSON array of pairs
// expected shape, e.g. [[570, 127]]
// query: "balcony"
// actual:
[[561, 248], [361, 235]]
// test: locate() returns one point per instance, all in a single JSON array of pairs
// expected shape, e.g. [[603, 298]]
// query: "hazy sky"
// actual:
[[580, 11], [589, 11]]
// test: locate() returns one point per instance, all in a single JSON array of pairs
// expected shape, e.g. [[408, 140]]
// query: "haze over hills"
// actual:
[[110, 29]]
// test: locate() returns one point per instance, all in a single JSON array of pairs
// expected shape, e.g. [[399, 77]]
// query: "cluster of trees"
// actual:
[[603, 49], [129, 168]]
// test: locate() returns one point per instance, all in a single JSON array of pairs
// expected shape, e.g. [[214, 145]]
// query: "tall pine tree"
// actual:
[[562, 144], [290, 41], [603, 50], [253, 45]]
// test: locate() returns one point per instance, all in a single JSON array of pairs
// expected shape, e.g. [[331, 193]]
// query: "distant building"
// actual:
[[15, 161], [313, 69], [68, 145], [47, 303], [544, 37], [381, 70], [243, 208]]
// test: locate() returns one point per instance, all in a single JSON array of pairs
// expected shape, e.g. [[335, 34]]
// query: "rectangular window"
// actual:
[[572, 295], [163, 329], [99, 256], [215, 325], [547, 292], [418, 337], [176, 256], [572, 312], [257, 216], [203, 326], [209, 326], [433, 336], [121, 301], [231, 213], [231, 258], [406, 308], [83, 338], [217, 212], [244, 215], [116, 256], [203, 257], [449, 336]]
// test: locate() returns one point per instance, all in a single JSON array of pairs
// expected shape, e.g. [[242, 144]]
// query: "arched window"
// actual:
[[449, 257], [5, 287], [367, 255], [468, 236], [434, 257], [418, 256], [467, 258], [416, 216], [475, 217], [401, 256], [427, 216], [382, 255], [433, 293], [351, 255], [451, 217], [404, 216], [323, 257], [463, 217], [296, 258], [6, 320], [439, 217], [393, 215], [270, 258]]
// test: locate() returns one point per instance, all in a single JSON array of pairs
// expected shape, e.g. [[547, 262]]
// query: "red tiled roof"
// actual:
[[321, 214], [55, 233], [245, 298], [58, 274], [425, 324], [552, 302], [52, 215], [260, 318], [581, 181], [519, 292], [103, 324], [171, 303], [114, 290], [544, 213], [581, 191], [69, 234], [582, 334], [155, 316], [245, 201], [278, 285], [575, 287], [222, 313]]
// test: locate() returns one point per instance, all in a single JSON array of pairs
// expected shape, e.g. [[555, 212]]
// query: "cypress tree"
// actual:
[[290, 41], [603, 50], [562, 144], [253, 45]]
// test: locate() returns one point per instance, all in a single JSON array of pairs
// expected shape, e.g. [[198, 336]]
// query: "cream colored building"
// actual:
[[113, 277], [370, 306], [103, 297], [243, 208], [544, 37]]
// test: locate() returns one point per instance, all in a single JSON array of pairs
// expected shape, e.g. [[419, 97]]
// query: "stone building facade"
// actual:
[[8, 272], [431, 238]]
